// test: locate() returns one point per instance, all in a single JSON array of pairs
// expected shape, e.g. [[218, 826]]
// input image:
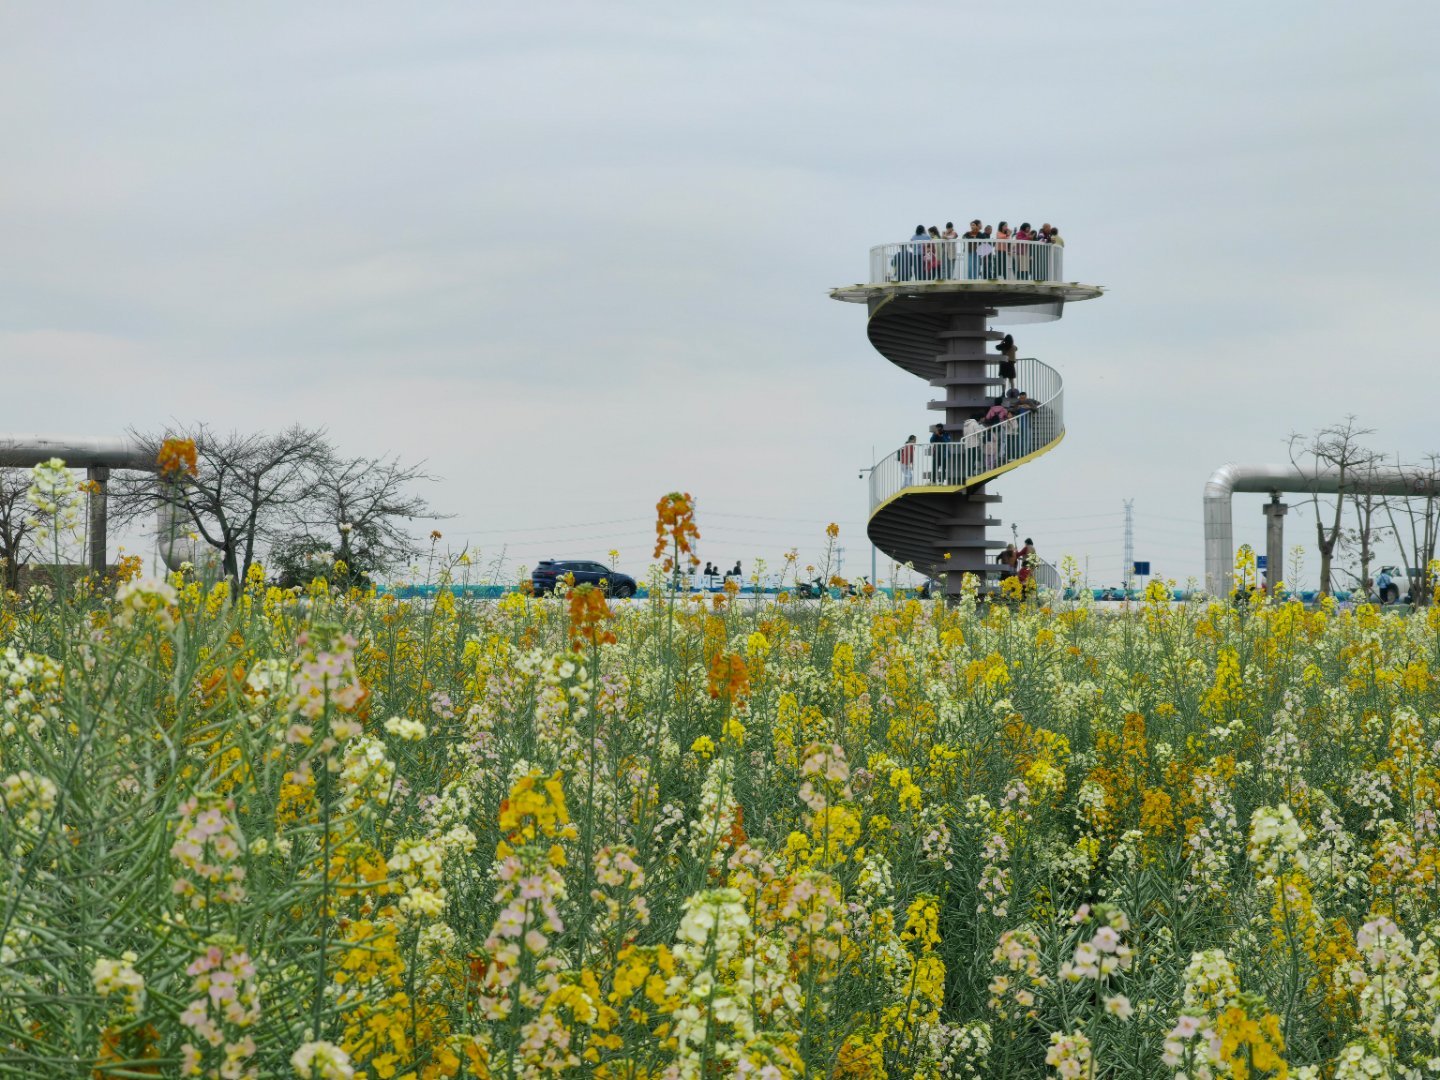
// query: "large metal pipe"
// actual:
[[174, 537], [98, 455], [77, 451], [1274, 479]]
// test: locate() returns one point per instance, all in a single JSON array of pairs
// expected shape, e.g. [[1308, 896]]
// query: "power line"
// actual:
[[1074, 517], [1161, 530], [700, 516], [548, 541], [1187, 520], [1108, 529], [763, 517], [536, 528]]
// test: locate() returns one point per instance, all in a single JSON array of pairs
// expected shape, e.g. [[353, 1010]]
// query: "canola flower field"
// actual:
[[250, 834]]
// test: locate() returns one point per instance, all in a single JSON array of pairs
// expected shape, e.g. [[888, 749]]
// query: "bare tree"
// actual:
[[357, 509], [1419, 514], [245, 492], [1366, 505], [1336, 447], [16, 528]]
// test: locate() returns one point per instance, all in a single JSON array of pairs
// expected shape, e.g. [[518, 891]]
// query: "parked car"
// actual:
[[1397, 588], [549, 571]]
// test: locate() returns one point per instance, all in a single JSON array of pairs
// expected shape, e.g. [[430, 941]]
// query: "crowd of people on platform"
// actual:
[[986, 441], [989, 254]]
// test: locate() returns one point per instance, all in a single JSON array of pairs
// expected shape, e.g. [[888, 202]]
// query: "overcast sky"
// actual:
[[576, 255]]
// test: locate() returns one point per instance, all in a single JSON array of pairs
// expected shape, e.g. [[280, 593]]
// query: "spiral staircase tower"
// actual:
[[932, 308]]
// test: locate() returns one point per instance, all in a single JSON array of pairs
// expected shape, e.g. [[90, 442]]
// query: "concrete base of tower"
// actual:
[[965, 537]]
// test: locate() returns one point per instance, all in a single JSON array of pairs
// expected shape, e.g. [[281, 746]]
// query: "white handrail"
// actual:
[[980, 451], [1047, 576], [967, 260]]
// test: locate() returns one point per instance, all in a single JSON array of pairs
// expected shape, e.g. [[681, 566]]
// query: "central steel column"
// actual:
[[969, 388]]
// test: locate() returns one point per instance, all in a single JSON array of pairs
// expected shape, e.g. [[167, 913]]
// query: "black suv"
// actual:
[[545, 575]]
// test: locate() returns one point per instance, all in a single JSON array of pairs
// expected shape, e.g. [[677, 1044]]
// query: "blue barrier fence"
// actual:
[[494, 592]]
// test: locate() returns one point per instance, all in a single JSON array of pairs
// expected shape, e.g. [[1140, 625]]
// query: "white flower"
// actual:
[[1210, 983], [1360, 1061], [52, 493], [715, 919], [28, 797], [1275, 839], [145, 596], [405, 729], [423, 903], [1120, 1006], [1069, 1054], [322, 1061], [119, 977]]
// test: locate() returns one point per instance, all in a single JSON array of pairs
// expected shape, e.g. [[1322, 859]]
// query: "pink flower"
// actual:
[[1185, 1028]]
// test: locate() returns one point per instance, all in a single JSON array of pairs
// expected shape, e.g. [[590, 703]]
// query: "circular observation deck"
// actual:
[[1023, 277]]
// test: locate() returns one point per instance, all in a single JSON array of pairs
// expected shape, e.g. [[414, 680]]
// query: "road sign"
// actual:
[[1142, 569]]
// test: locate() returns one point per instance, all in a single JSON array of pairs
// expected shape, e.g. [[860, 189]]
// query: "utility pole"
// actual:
[[874, 581], [1129, 567], [863, 470]]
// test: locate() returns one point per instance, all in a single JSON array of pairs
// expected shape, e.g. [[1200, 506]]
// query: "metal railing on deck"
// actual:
[[967, 260], [977, 451], [1047, 576]]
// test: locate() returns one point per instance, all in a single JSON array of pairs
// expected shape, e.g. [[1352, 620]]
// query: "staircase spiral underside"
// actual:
[[939, 524], [931, 303]]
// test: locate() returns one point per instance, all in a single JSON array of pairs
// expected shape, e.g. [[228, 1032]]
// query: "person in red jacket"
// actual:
[[906, 456], [1025, 557]]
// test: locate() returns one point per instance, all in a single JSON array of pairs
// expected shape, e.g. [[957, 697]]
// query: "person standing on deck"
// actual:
[[1026, 559], [972, 239], [907, 262], [1007, 350], [1007, 560], [939, 439], [931, 260], [906, 456], [947, 250], [971, 438], [1022, 251]]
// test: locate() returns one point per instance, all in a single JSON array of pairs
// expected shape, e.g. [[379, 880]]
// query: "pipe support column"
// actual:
[[1274, 542], [99, 506]]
